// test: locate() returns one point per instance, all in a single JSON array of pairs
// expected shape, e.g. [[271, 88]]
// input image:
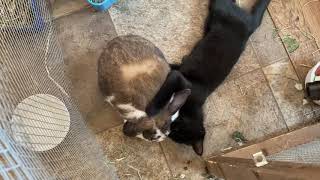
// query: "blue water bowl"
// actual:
[[103, 5]]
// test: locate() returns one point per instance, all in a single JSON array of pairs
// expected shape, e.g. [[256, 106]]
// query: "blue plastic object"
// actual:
[[38, 24], [102, 6]]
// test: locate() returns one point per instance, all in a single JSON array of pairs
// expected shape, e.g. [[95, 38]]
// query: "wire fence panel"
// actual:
[[307, 153], [42, 134]]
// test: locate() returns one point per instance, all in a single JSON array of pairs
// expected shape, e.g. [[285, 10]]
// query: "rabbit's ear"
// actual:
[[178, 100], [176, 84]]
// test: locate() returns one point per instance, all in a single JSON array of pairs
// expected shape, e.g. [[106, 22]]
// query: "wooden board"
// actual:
[[244, 169], [279, 143], [237, 172]]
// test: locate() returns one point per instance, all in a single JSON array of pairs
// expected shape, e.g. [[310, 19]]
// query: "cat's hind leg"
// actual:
[[257, 13], [228, 8]]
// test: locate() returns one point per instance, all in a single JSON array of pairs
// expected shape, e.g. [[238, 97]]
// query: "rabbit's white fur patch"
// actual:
[[160, 136], [109, 99], [131, 111], [141, 137], [175, 116]]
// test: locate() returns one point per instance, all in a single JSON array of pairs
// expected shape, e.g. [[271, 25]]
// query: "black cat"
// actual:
[[226, 32]]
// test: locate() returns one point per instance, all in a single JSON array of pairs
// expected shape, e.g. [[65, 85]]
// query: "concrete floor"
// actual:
[[259, 97]]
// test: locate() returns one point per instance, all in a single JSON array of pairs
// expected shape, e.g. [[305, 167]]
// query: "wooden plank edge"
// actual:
[[276, 144]]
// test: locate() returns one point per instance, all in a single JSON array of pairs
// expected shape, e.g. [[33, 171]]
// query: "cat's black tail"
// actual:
[[229, 9], [221, 6], [257, 13]]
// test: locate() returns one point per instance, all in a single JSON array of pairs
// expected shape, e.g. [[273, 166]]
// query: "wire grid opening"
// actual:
[[33, 89], [308, 153]]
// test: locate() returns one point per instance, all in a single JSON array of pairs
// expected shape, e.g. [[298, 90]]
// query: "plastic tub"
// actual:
[[103, 5]]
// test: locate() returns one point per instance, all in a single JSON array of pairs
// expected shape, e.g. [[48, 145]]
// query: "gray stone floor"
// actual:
[[83, 34], [259, 97]]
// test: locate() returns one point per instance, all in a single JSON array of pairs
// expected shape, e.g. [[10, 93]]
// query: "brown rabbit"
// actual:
[[130, 72]]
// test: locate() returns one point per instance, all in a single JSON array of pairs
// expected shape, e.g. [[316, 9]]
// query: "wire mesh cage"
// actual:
[[306, 153], [21, 15], [42, 134]]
